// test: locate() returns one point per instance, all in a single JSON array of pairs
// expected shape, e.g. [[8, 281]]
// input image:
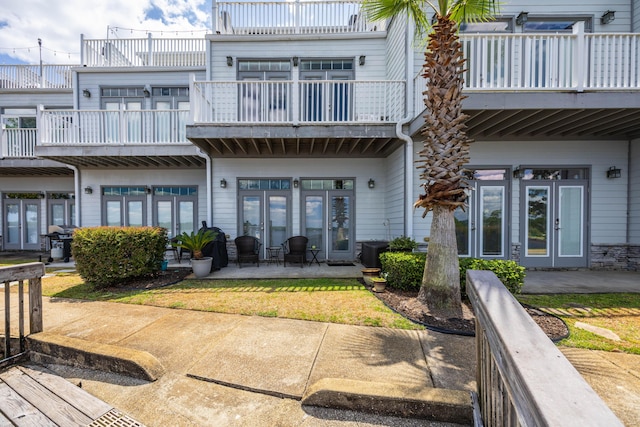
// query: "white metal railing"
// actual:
[[18, 143], [297, 17], [542, 62], [519, 369], [34, 76], [145, 52], [325, 101], [106, 127]]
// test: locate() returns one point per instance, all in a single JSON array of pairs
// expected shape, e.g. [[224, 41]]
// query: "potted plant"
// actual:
[[195, 243], [379, 283]]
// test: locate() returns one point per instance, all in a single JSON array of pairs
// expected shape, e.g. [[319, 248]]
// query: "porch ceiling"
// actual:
[[33, 167], [317, 141], [534, 116]]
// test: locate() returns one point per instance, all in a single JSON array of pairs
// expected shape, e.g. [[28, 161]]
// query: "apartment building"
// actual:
[[304, 118]]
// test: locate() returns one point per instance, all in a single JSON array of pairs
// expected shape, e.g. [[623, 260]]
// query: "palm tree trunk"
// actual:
[[440, 290]]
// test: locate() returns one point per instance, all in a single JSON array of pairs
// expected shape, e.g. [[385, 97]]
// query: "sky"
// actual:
[[59, 24]]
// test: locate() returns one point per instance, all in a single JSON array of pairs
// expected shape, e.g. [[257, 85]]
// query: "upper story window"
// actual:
[[326, 64], [260, 65], [498, 25], [559, 24]]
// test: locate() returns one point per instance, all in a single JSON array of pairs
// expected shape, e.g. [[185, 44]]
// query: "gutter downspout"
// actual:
[[76, 189], [207, 158], [408, 171]]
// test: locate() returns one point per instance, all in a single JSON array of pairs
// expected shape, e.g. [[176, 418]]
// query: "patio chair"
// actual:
[[295, 250], [247, 250]]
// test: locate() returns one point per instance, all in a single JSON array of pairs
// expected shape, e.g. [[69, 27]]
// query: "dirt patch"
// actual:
[[157, 279]]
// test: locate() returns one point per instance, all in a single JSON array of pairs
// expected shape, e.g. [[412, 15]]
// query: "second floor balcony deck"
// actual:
[[36, 76]]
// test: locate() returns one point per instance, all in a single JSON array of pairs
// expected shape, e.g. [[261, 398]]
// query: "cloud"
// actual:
[[60, 24]]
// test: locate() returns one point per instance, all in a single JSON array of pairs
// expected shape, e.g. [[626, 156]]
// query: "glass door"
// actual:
[[174, 208], [341, 235], [265, 215], [22, 222]]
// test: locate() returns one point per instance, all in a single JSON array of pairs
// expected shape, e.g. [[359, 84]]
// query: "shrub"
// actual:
[[403, 244], [404, 269], [510, 273], [110, 256]]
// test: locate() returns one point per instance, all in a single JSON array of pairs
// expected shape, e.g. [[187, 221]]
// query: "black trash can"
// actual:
[[371, 251]]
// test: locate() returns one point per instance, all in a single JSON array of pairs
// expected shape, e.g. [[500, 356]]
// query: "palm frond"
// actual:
[[474, 10], [377, 10]]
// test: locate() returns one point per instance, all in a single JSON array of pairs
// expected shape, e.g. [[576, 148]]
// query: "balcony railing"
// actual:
[[548, 62], [34, 76], [106, 127], [317, 101], [18, 143], [299, 17], [149, 52]]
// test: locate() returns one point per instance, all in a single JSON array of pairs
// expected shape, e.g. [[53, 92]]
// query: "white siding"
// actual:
[[91, 209], [395, 204], [32, 100], [396, 55], [634, 191], [370, 203]]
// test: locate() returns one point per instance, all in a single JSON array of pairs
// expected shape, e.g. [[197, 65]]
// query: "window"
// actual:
[[560, 24], [124, 206], [499, 25]]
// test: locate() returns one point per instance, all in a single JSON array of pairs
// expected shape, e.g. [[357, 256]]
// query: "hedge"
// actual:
[[405, 270], [111, 256]]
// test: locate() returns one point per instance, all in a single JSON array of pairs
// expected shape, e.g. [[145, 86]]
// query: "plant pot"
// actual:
[[368, 274], [201, 267], [379, 285]]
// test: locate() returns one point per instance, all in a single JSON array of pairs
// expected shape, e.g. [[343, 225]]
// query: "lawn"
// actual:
[[619, 313], [344, 301]]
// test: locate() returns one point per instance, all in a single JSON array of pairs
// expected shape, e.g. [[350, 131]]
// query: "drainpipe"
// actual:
[[207, 159], [76, 189], [408, 181]]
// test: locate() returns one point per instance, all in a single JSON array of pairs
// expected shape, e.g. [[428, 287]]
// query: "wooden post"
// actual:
[[35, 305]]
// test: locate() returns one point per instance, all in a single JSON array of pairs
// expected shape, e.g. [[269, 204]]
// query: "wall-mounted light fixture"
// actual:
[[295, 61], [362, 59], [147, 91], [522, 18], [614, 172], [608, 17], [518, 173], [88, 190], [147, 189], [230, 61], [86, 93], [296, 183], [371, 183], [223, 183]]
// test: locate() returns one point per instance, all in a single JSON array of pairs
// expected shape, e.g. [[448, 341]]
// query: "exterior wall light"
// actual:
[[614, 172], [522, 18], [230, 61], [147, 91], [296, 183], [295, 61], [86, 93], [223, 183], [362, 59], [371, 183], [88, 190], [517, 173], [608, 17]]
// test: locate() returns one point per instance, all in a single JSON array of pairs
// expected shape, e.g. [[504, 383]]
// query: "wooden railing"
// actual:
[[297, 17], [14, 277], [108, 127], [35, 76], [522, 377], [18, 143], [144, 52], [317, 101]]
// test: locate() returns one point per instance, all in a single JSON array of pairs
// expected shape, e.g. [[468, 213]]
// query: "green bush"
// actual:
[[404, 269], [403, 244], [110, 256], [509, 272]]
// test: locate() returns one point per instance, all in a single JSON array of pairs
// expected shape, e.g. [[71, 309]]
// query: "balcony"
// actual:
[[18, 143], [144, 52], [549, 84], [34, 76], [105, 138], [291, 18]]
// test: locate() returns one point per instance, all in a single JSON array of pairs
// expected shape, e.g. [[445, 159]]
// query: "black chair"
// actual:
[[295, 250], [247, 250]]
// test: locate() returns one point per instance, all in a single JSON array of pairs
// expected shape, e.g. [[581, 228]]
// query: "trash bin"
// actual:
[[371, 251]]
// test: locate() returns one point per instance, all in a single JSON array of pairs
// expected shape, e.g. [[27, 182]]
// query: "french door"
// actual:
[[327, 222], [554, 224], [326, 96], [21, 224], [175, 208], [265, 215], [482, 228]]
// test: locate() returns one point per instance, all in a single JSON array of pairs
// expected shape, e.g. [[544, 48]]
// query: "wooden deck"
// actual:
[[31, 396]]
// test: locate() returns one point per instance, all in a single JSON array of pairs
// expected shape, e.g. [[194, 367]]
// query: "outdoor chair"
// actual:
[[247, 250], [295, 250]]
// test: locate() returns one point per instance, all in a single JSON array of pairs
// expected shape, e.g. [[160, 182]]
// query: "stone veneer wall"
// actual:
[[615, 257]]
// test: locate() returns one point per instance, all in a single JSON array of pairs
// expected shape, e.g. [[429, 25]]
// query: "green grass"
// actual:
[[344, 301], [619, 313]]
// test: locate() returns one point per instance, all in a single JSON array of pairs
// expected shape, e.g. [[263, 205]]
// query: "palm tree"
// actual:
[[446, 145]]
